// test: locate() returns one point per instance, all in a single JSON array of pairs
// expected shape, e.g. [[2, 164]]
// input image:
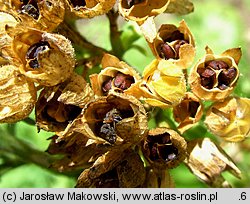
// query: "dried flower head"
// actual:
[[59, 105], [208, 161], [175, 44], [116, 76], [229, 119], [40, 14], [163, 84], [89, 8], [188, 112], [116, 118], [17, 95], [164, 148], [46, 58], [140, 10], [214, 76], [181, 7]]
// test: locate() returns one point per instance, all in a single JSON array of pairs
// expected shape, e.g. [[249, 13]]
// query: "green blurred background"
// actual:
[[219, 24]]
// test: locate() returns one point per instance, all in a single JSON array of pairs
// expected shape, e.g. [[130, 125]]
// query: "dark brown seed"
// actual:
[[168, 152], [216, 64], [208, 77], [108, 133], [167, 52], [107, 85], [226, 77], [192, 108], [177, 46], [30, 7], [78, 3], [33, 52], [123, 81], [176, 35]]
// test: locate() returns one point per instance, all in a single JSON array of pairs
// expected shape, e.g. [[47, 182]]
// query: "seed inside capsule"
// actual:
[[208, 77], [120, 80], [217, 64], [226, 77], [30, 7], [33, 52], [78, 3]]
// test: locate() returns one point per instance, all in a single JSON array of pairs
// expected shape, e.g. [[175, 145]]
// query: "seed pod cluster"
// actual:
[[99, 121]]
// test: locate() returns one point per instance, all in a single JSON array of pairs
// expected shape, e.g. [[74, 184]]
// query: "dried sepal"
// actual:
[[188, 112], [5, 39], [214, 76], [89, 8], [46, 58], [116, 76], [163, 84], [208, 161], [180, 7], [78, 152], [164, 148], [114, 119], [59, 105], [174, 44], [17, 95], [229, 119], [44, 15], [120, 169], [140, 10]]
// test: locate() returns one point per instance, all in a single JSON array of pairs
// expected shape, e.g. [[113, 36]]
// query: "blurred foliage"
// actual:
[[218, 24]]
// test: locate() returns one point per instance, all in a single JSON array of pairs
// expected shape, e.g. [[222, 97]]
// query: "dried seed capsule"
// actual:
[[164, 148], [89, 8], [174, 44], [116, 118], [229, 119], [17, 95], [208, 161], [46, 58], [114, 169], [44, 15], [60, 105], [140, 10], [163, 84], [214, 76], [188, 112], [116, 76]]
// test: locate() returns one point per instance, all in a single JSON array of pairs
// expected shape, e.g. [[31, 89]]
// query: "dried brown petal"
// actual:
[[229, 119], [116, 76], [44, 15], [140, 10], [164, 148], [208, 161], [17, 95], [188, 112], [90, 8], [60, 105], [214, 76], [181, 7], [46, 58], [116, 118]]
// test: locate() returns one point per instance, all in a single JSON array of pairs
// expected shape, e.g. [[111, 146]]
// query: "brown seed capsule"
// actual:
[[114, 169], [44, 15], [60, 105], [229, 119], [116, 76], [214, 76], [174, 44], [89, 8], [46, 58], [164, 148], [163, 84], [140, 10], [208, 161], [17, 95], [188, 112], [116, 119]]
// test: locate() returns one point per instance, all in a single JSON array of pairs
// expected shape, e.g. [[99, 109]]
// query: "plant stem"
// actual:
[[115, 34]]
